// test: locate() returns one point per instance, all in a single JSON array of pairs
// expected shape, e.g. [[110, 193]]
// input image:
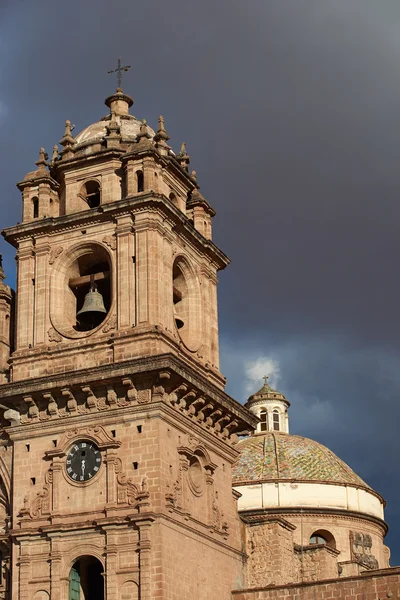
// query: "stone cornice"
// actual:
[[299, 512], [170, 379], [143, 202]]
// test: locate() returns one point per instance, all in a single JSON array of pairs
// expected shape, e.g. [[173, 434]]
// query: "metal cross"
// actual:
[[118, 71], [265, 379]]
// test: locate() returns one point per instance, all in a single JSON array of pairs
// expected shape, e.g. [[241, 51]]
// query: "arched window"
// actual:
[[275, 420], [264, 420], [140, 181], [323, 538], [90, 192], [35, 204]]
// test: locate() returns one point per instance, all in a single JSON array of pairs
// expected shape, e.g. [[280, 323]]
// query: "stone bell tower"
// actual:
[[117, 437]]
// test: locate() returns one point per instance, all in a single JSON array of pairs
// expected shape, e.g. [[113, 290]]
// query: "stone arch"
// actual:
[[90, 192], [86, 578], [41, 595], [129, 590], [325, 537], [76, 261], [187, 303]]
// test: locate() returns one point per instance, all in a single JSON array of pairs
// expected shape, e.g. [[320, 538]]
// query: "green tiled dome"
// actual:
[[273, 456]]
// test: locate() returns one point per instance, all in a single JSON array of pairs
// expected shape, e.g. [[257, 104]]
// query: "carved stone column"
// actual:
[[41, 293], [144, 549], [24, 573], [55, 570], [111, 468], [111, 563], [125, 269], [25, 297]]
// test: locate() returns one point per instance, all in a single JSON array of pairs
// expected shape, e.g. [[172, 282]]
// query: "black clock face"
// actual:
[[83, 461]]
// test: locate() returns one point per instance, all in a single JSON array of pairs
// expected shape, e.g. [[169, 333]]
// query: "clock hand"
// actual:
[[83, 467]]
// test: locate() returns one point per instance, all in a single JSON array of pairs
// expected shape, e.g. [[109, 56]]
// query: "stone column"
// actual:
[[41, 292], [148, 173], [214, 321], [24, 573], [111, 563], [141, 255], [111, 491], [144, 548], [125, 272], [25, 296], [56, 584], [56, 468]]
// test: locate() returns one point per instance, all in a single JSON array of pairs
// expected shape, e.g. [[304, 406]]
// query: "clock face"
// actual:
[[83, 461]]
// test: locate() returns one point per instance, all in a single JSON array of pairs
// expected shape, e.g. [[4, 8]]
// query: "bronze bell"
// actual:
[[179, 322], [93, 308]]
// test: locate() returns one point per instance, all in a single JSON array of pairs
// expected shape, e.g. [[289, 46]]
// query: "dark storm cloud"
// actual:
[[291, 114]]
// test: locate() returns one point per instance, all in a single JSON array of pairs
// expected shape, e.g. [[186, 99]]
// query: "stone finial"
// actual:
[[43, 156], [161, 131], [67, 139], [55, 153], [183, 157], [193, 176]]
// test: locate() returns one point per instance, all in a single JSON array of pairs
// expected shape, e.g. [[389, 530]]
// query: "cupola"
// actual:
[[271, 407]]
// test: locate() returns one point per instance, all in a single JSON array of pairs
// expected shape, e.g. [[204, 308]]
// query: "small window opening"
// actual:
[[139, 428], [91, 193], [113, 432], [35, 203], [140, 181], [28, 447], [55, 443], [275, 419], [324, 538], [264, 420], [33, 480], [135, 465]]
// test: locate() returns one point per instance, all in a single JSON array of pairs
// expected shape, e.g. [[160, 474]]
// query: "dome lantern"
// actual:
[[271, 407]]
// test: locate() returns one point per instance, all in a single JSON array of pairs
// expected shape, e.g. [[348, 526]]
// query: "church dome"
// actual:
[[95, 133], [128, 125], [276, 456]]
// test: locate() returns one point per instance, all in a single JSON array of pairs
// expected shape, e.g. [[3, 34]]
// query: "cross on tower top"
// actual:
[[265, 379], [118, 71]]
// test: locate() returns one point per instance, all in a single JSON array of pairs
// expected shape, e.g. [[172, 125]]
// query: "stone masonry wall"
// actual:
[[374, 585], [314, 563], [269, 546]]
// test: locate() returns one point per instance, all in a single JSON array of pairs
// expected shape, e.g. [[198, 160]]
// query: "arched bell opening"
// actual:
[[186, 304], [86, 580], [90, 287], [90, 192], [81, 290]]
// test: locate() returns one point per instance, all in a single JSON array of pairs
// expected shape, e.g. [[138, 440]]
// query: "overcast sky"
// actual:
[[290, 110]]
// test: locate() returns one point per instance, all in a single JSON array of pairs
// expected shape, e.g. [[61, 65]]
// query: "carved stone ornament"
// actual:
[[53, 335], [97, 434], [39, 505], [54, 254], [111, 241], [361, 548], [110, 325]]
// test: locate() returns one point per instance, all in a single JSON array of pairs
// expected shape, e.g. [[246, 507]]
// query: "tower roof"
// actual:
[[265, 393]]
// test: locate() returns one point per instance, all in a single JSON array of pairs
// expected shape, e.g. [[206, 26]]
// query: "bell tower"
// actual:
[[115, 222], [118, 438]]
